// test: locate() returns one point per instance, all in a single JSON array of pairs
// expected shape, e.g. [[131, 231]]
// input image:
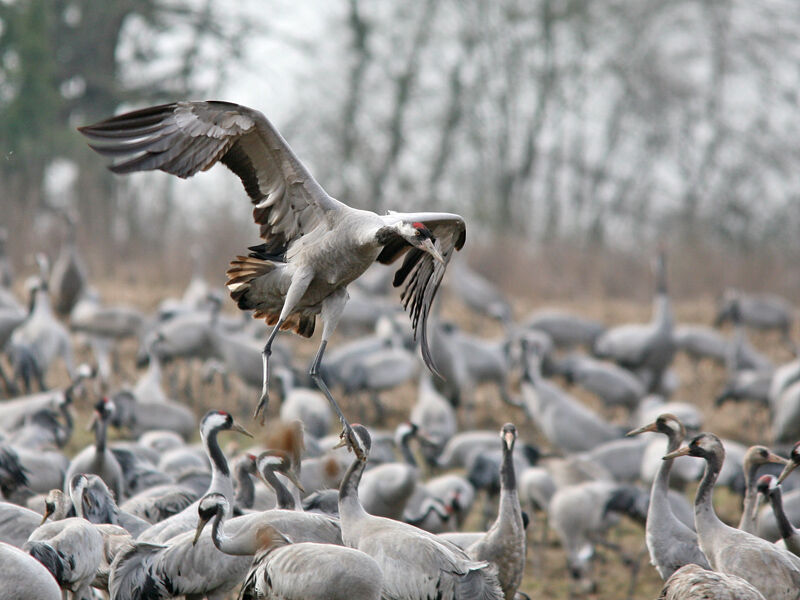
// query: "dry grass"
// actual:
[[545, 575]]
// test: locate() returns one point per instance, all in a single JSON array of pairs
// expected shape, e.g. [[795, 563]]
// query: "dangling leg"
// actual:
[[300, 281], [332, 308]]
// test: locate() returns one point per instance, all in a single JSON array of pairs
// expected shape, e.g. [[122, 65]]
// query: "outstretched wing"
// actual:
[[186, 137], [422, 272]]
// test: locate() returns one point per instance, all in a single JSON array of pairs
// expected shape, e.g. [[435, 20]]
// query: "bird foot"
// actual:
[[261, 410], [349, 439]]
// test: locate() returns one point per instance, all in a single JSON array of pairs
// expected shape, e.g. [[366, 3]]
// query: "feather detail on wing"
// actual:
[[186, 137], [421, 273]]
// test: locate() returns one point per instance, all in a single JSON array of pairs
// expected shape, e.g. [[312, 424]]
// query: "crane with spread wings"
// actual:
[[313, 245]]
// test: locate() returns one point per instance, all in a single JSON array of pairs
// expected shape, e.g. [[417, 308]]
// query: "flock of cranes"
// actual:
[[433, 507]]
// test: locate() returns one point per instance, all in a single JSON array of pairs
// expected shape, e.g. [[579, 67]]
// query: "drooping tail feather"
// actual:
[[242, 272], [132, 576]]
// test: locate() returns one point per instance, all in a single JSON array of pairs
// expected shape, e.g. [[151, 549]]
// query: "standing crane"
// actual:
[[768, 487], [670, 542], [314, 245], [415, 563], [755, 457], [214, 422], [309, 569], [98, 458], [504, 543], [772, 571]]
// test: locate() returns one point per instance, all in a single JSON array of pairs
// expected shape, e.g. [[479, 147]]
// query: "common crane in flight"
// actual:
[[314, 245]]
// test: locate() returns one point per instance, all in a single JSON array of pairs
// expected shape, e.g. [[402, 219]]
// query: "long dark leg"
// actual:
[[332, 308], [294, 294], [263, 401]]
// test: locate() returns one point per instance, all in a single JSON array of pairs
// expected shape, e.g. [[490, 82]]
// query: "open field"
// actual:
[[546, 575]]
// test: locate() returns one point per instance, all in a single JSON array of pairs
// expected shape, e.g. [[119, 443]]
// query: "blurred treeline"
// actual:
[[566, 125]]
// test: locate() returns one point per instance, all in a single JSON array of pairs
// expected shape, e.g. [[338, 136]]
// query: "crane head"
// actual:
[[794, 461]]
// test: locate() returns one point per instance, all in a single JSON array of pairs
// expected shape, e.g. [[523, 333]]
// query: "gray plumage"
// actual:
[[160, 502], [567, 423], [566, 330], [670, 542], [72, 550], [700, 342], [504, 544], [24, 577], [68, 279], [384, 490], [755, 457], [98, 459], [415, 563], [768, 487], [765, 312], [140, 414], [749, 384], [44, 334], [785, 424], [479, 294], [692, 582], [772, 571], [176, 567], [285, 571], [17, 523], [614, 385], [303, 404], [93, 501], [641, 347], [213, 422]]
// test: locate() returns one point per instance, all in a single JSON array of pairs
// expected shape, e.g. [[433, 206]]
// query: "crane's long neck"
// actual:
[[283, 495], [154, 368], [349, 503], [100, 438], [659, 500], [748, 520], [245, 489], [510, 512], [405, 450], [244, 544], [41, 303], [220, 474], [703, 501], [785, 526]]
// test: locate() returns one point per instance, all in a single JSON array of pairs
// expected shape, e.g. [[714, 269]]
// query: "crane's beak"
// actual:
[[428, 246], [49, 509], [679, 452], [774, 458], [200, 526], [790, 466], [508, 438], [293, 478], [651, 427], [240, 429]]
